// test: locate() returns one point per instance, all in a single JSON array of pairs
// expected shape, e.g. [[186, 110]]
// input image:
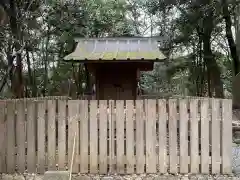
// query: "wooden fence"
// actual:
[[124, 137]]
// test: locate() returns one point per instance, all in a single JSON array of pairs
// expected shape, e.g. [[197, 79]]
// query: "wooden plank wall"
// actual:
[[124, 137]]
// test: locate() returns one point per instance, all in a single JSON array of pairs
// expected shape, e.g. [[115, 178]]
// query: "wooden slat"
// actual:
[[51, 134], [204, 136], [84, 134], [31, 136], [173, 135], [20, 138], [183, 135], [41, 118], [120, 136], [151, 137], [62, 134], [215, 136], [194, 150], [130, 136], [10, 137], [226, 136], [2, 137], [73, 118], [140, 156], [93, 137], [162, 126], [112, 119], [103, 136]]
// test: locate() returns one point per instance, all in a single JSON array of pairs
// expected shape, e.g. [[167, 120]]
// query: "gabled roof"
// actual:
[[118, 49]]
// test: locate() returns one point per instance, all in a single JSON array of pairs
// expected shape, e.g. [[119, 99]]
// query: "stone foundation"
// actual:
[[125, 177]]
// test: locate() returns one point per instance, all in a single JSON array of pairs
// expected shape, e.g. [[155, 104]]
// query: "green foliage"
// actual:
[[47, 31]]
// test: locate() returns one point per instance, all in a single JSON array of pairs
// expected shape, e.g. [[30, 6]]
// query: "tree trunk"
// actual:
[[19, 81], [215, 84], [46, 64], [18, 85], [229, 35], [237, 30], [30, 75], [9, 72]]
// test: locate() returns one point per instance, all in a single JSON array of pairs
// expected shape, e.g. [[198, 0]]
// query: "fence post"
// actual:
[[2, 137]]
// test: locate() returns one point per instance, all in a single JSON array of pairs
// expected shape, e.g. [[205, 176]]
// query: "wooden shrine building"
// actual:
[[115, 63]]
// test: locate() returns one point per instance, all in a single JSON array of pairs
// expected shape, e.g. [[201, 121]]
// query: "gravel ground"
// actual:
[[116, 177]]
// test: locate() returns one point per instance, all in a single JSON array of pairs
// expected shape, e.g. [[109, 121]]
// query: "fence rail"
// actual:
[[142, 136]]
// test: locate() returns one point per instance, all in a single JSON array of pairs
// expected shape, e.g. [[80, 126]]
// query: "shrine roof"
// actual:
[[116, 49]]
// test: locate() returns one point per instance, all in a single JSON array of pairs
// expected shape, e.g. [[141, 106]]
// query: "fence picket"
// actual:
[[10, 137], [140, 155], [112, 148], [2, 137], [51, 104], [204, 136], [41, 133], [226, 136], [120, 136], [31, 136], [215, 136], [93, 137], [73, 118], [62, 134], [183, 135], [173, 135], [151, 137], [84, 135], [162, 126], [103, 136], [194, 150], [20, 138], [130, 136]]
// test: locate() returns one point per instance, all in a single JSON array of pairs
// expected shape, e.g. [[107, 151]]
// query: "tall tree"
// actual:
[[229, 34]]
